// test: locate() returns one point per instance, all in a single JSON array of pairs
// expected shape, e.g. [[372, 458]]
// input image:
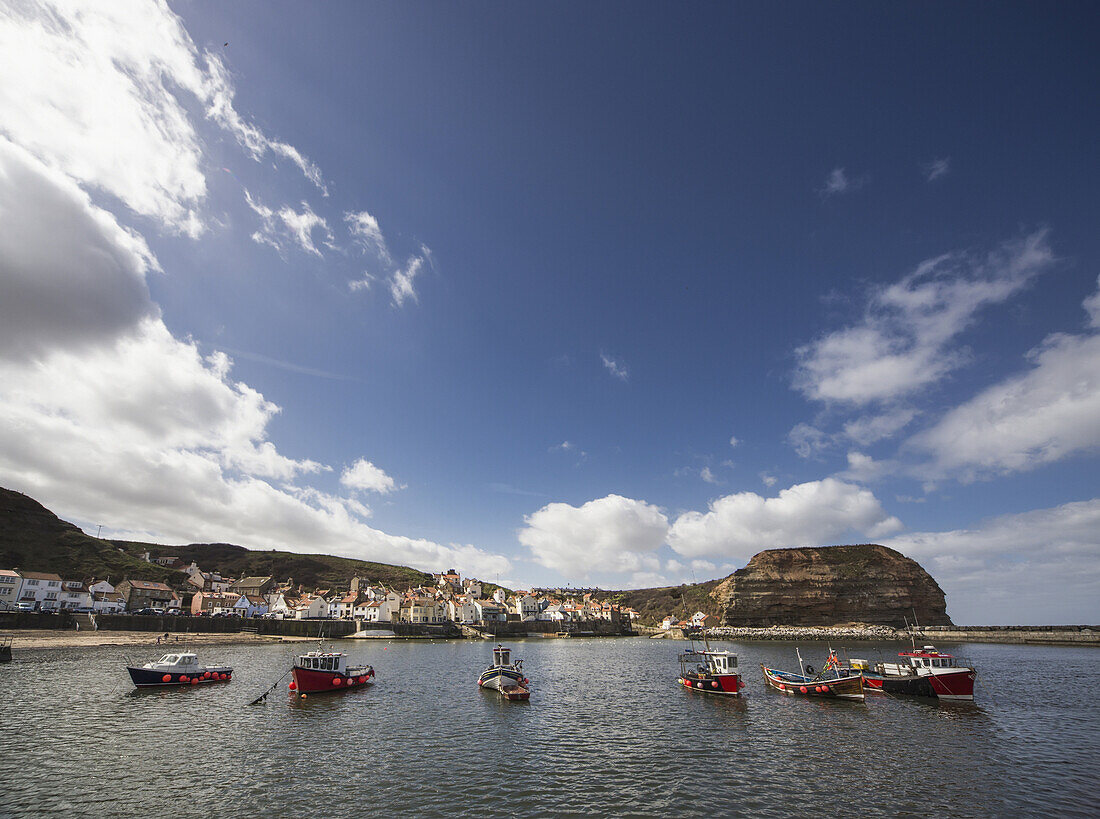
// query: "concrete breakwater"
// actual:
[[1048, 635]]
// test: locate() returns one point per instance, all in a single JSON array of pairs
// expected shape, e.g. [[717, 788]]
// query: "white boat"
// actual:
[[505, 676], [178, 668]]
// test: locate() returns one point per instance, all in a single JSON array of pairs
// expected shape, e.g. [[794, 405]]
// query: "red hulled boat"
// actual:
[[318, 672], [923, 672], [710, 672]]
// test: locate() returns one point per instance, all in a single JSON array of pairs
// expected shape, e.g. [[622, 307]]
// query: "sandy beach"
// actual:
[[65, 638]]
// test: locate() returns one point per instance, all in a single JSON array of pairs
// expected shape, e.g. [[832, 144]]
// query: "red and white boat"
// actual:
[[710, 672], [923, 672], [316, 672]]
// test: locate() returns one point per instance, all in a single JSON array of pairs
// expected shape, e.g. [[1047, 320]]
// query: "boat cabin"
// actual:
[[928, 657], [713, 662], [502, 656], [323, 661], [177, 662]]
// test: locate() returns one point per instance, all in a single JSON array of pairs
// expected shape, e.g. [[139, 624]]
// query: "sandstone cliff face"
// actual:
[[830, 585]]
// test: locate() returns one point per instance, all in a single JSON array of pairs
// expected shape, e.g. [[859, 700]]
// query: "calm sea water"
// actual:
[[606, 733]]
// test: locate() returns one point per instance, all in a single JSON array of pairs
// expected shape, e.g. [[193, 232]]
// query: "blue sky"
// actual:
[[613, 295]]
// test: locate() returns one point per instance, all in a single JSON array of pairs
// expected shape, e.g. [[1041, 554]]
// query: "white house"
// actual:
[[100, 586], [75, 595], [553, 613], [461, 609], [278, 605], [313, 609], [472, 589], [526, 606], [10, 584], [500, 596], [41, 590], [110, 602], [489, 611]]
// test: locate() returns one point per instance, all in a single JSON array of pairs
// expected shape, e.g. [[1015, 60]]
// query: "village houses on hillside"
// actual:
[[449, 599]]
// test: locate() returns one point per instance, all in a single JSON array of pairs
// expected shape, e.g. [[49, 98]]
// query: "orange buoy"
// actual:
[[166, 678], [293, 686], [335, 680], [183, 678], [803, 689], [194, 681]]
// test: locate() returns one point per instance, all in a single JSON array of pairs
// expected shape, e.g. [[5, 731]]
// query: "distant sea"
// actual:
[[607, 733]]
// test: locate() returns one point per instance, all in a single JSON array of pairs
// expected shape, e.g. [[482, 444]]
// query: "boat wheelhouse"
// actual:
[[317, 672], [924, 672], [178, 668], [710, 672], [505, 676]]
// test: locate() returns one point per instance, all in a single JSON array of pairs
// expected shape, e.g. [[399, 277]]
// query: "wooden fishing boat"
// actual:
[[504, 676], [831, 683]]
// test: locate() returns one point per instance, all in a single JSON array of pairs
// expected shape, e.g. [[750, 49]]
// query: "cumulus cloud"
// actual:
[[70, 275], [613, 533], [869, 429], [88, 73], [808, 440], [104, 415], [1043, 415], [366, 476], [903, 342], [739, 525], [1038, 567], [616, 368]]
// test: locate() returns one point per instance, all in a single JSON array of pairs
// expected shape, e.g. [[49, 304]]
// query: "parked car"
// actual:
[[146, 611], [173, 612], [24, 606]]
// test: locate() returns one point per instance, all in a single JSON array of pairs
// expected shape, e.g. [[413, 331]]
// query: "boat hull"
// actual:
[[154, 678], [311, 681], [729, 685], [845, 688], [495, 678]]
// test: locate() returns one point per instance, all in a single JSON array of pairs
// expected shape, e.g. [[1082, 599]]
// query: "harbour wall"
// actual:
[[1037, 635]]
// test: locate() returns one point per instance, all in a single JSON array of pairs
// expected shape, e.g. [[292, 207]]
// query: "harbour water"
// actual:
[[607, 733]]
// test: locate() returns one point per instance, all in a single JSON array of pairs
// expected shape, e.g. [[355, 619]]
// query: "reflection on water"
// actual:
[[607, 732]]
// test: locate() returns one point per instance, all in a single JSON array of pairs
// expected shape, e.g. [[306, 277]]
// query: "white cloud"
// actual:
[[902, 343], [91, 73], [808, 440], [287, 224], [935, 168], [768, 480], [864, 469], [708, 476], [1092, 307], [401, 283], [564, 446], [608, 534], [614, 367], [368, 477], [366, 232], [1041, 416], [1036, 567], [734, 440], [739, 525], [838, 182], [870, 429]]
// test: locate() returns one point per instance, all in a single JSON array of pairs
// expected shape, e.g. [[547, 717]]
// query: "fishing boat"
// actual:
[[832, 682], [505, 677], [921, 672], [317, 672], [179, 668], [710, 672]]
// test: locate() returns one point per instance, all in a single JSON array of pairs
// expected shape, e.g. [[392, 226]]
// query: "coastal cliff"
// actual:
[[830, 585]]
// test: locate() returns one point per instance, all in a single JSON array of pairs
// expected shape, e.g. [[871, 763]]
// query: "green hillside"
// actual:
[[34, 539]]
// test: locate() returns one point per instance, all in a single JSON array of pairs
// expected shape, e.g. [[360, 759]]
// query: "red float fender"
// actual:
[[183, 678], [293, 686], [194, 681], [166, 678], [803, 689], [335, 680], [714, 685]]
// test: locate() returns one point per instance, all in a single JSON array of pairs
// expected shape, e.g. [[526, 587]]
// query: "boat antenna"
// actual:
[[800, 665]]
